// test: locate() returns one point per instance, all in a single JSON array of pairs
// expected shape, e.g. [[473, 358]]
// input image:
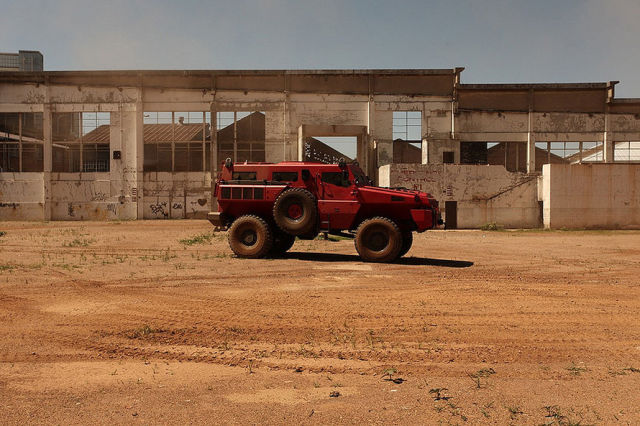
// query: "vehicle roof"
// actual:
[[288, 163]]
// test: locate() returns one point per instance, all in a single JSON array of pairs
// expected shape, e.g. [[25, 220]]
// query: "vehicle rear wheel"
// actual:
[[407, 241], [378, 240], [250, 237], [295, 211], [282, 242]]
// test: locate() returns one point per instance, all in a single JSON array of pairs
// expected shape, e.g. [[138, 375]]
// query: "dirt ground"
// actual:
[[155, 321]]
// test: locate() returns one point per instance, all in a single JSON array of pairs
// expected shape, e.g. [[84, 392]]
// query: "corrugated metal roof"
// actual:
[[155, 133]]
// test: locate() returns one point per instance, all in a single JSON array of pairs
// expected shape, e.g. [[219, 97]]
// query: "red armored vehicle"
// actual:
[[265, 206]]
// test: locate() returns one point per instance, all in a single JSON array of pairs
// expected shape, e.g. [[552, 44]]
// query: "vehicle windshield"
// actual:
[[359, 177]]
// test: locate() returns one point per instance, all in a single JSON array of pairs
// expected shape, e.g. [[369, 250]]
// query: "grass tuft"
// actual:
[[144, 331], [79, 242], [197, 239], [492, 226]]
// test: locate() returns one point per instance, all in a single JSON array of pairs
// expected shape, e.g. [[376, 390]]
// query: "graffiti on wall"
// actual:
[[159, 209], [99, 196]]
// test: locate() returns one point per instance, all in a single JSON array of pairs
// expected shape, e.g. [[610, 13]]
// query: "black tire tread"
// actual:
[[268, 240], [365, 223], [282, 242], [407, 242], [279, 220]]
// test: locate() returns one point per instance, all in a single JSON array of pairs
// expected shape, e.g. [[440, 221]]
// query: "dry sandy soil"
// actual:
[[123, 322]]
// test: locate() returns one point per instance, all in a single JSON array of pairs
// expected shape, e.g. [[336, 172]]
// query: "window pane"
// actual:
[[181, 157], [66, 158], [9, 161], [32, 157], [66, 126], [150, 163], [195, 157], [164, 157]]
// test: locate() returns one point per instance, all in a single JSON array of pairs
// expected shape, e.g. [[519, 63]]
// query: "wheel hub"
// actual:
[[249, 237], [294, 211], [377, 240]]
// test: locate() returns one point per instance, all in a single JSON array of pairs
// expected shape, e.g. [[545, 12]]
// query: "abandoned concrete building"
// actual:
[[141, 144]]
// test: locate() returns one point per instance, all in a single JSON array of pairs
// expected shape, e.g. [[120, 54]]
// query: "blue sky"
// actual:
[[497, 41]]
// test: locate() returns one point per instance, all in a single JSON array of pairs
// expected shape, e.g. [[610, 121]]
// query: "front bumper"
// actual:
[[423, 219], [215, 219]]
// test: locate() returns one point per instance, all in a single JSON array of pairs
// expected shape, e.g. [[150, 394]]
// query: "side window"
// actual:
[[285, 176], [243, 176], [335, 178]]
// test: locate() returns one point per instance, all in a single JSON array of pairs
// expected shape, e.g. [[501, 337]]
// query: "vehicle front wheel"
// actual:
[[378, 240], [250, 237], [407, 242]]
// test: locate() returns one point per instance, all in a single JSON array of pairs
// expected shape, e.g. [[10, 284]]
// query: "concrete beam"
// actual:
[[531, 147]]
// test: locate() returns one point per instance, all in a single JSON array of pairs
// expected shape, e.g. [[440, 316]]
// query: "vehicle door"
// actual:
[[337, 204]]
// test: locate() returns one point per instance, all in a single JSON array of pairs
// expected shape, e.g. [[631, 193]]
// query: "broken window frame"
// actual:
[[78, 144], [630, 148], [405, 125], [23, 141], [256, 147], [183, 148], [579, 152]]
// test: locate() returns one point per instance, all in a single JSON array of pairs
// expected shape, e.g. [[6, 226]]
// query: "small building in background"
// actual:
[[24, 60]]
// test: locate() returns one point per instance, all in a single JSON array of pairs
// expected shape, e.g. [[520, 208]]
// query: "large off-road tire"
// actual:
[[378, 240], [309, 236], [282, 242], [295, 211], [407, 241], [250, 237]]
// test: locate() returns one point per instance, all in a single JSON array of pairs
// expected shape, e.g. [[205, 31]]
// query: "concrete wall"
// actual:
[[484, 194], [591, 195], [21, 196], [82, 196], [176, 195]]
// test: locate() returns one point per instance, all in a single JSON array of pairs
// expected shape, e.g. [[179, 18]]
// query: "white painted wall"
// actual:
[[591, 195]]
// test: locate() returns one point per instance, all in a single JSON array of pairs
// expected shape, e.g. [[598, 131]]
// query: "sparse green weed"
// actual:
[[79, 242], [144, 331], [197, 239], [576, 370], [492, 226]]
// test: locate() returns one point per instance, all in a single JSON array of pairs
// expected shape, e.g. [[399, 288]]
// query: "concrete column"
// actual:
[[608, 146], [215, 163], [48, 161], [369, 158], [126, 173], [301, 143], [531, 146], [286, 123], [425, 151], [138, 155]]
